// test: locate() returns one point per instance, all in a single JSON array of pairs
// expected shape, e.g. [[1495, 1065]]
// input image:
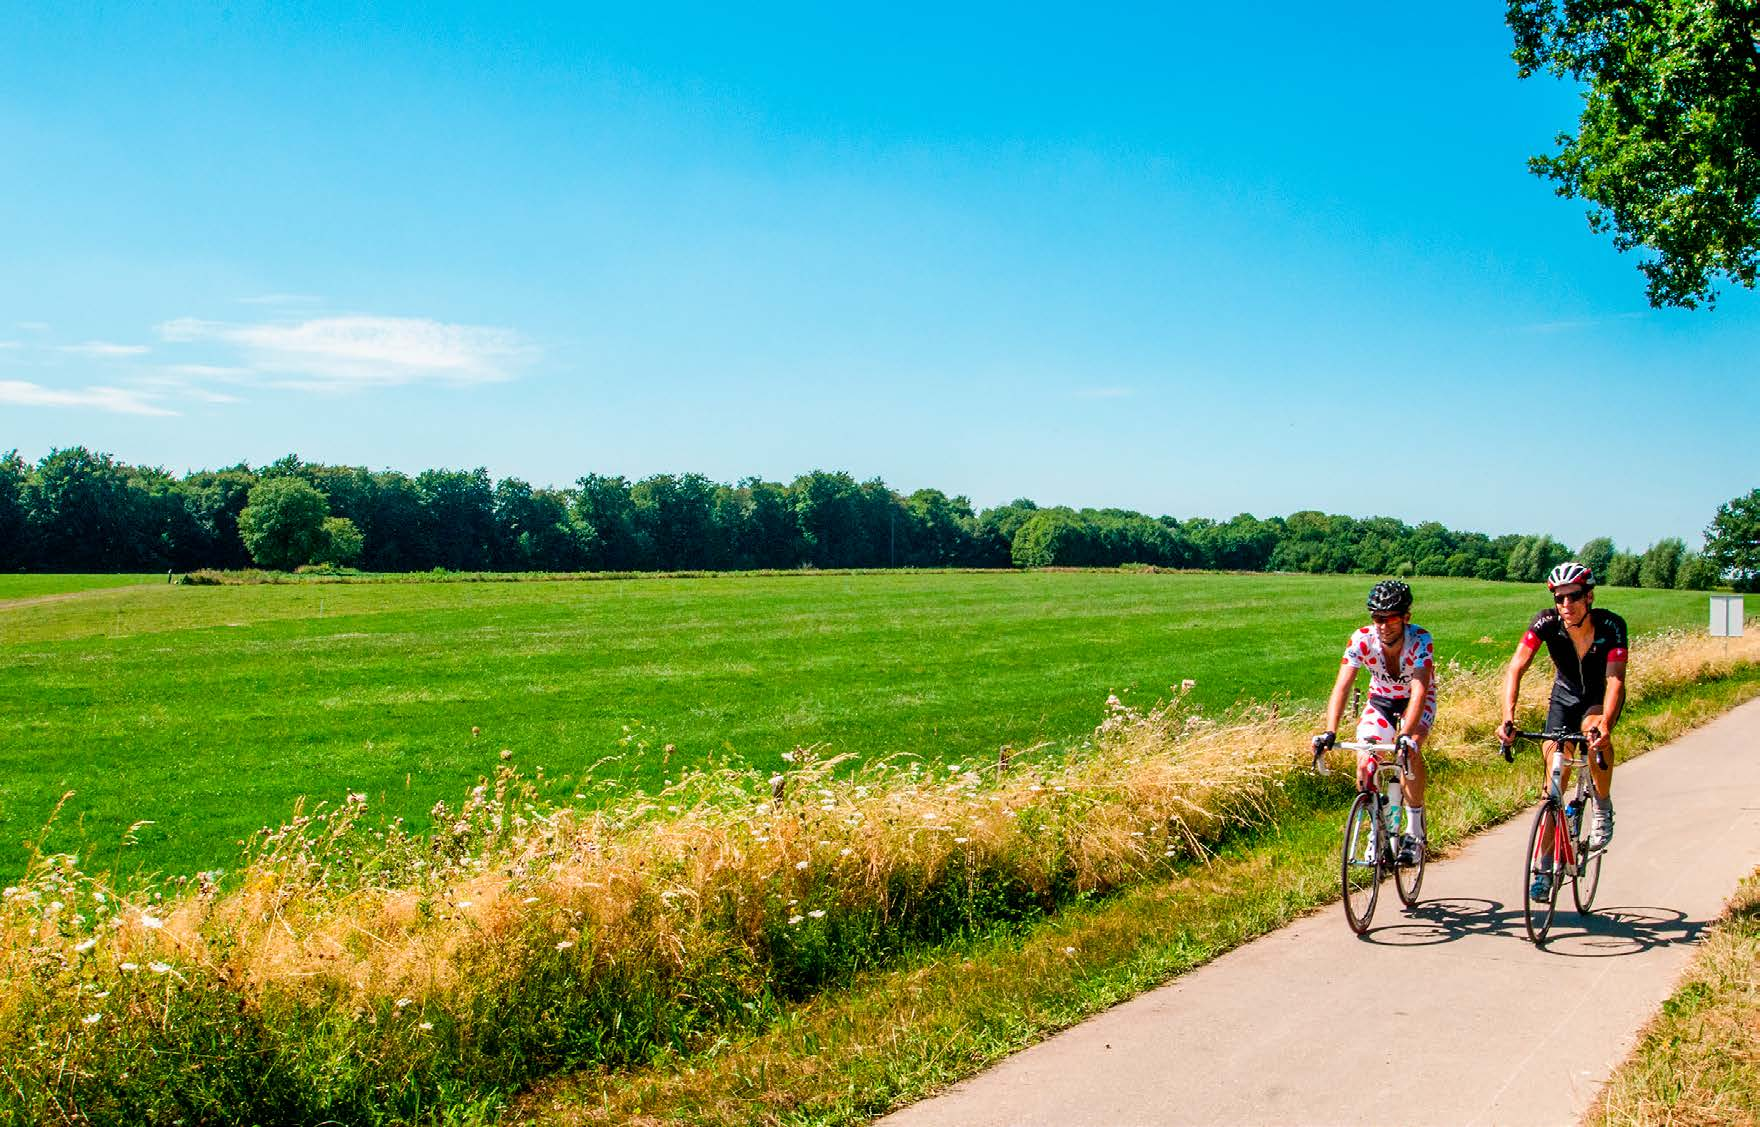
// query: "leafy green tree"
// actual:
[[940, 529], [1696, 573], [1667, 151], [674, 517], [1533, 557], [215, 498], [14, 547], [604, 510], [342, 543], [459, 511], [758, 518], [1594, 555], [283, 523], [829, 510], [1660, 561], [398, 534], [85, 515], [1732, 540], [993, 538], [1622, 569], [1051, 538]]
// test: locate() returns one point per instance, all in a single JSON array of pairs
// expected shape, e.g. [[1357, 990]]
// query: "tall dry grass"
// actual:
[[362, 972]]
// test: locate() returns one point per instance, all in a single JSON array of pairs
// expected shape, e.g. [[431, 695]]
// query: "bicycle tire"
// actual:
[[1589, 874], [1362, 861], [1537, 915], [1407, 879]]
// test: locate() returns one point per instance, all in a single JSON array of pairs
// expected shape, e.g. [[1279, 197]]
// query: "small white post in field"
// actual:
[[1726, 616]]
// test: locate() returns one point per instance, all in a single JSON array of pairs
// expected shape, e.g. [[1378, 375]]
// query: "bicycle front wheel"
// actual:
[[1409, 878], [1588, 877], [1545, 842], [1361, 861]]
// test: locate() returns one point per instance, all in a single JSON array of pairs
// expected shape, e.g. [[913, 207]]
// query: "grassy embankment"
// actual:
[[1698, 1062], [362, 975], [209, 711]]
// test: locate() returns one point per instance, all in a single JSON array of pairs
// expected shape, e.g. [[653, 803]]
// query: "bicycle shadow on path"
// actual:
[[1605, 933]]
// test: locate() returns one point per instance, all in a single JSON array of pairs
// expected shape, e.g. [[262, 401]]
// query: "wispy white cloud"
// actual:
[[1104, 393], [8, 344], [191, 382], [354, 352], [34, 326], [114, 399], [103, 348]]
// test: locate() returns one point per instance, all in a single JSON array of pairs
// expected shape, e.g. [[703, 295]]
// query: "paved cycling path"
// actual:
[[1446, 1015]]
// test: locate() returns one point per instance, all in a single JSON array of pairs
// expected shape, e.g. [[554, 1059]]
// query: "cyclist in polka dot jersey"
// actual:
[[1401, 659]]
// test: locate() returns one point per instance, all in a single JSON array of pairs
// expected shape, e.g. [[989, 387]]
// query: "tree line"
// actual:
[[76, 510]]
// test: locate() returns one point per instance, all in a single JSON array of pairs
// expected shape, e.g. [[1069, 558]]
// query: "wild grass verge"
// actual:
[[1699, 1060], [363, 973]]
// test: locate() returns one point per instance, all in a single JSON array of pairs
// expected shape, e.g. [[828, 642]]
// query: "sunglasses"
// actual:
[[1383, 619], [1564, 597]]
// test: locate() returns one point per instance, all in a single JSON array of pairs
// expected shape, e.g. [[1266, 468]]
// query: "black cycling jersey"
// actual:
[[1580, 683]]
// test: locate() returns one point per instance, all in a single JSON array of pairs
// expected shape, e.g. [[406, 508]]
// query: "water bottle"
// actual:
[[1394, 812], [1573, 817]]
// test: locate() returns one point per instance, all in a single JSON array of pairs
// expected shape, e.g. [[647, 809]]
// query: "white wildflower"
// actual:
[[564, 944], [85, 945], [91, 1019], [150, 921], [800, 865], [817, 913], [792, 920], [158, 967], [129, 967], [426, 1025], [402, 1002]]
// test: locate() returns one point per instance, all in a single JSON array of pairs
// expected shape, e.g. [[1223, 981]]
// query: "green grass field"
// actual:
[[209, 710], [36, 586]]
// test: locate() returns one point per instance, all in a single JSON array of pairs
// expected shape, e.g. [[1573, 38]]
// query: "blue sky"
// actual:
[[1190, 261]]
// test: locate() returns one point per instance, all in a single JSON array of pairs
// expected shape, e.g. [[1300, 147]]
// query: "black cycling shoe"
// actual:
[[1408, 850]]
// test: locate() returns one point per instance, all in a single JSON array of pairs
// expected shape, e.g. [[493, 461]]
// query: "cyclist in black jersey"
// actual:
[[1588, 650]]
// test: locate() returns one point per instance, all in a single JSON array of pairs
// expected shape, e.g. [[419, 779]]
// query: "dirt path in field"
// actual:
[[1442, 1015], [37, 600], [62, 597]]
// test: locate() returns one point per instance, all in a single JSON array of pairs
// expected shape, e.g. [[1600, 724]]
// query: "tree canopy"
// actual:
[[1667, 150], [1732, 540]]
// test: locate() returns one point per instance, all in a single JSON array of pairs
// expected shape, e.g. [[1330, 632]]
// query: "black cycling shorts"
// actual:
[[1567, 711]]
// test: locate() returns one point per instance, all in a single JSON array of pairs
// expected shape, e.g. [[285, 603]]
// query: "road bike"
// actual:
[[1558, 845], [1372, 832]]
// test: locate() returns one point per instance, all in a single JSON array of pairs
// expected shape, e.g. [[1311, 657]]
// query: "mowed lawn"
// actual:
[[209, 711]]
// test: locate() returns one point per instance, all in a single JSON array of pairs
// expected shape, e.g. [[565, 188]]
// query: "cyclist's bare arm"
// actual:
[[1414, 716], [1512, 684], [1341, 688], [1599, 727]]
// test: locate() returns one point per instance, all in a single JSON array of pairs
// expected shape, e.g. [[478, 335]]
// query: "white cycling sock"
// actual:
[[1415, 821]]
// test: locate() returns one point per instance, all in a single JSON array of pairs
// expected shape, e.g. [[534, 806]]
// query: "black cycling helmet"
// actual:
[[1390, 596]]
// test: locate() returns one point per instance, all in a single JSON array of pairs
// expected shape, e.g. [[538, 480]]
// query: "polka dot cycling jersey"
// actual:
[[1418, 653], [1391, 690]]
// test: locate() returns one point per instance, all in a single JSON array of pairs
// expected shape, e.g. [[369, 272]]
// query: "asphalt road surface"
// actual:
[[1444, 1014]]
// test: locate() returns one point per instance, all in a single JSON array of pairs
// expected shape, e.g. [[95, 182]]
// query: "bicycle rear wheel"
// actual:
[[1361, 861], [1545, 838], [1409, 878]]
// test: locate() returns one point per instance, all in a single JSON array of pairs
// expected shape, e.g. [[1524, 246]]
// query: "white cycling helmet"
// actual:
[[1568, 573]]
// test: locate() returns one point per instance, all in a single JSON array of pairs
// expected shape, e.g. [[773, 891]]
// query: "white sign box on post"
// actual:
[[1726, 616]]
